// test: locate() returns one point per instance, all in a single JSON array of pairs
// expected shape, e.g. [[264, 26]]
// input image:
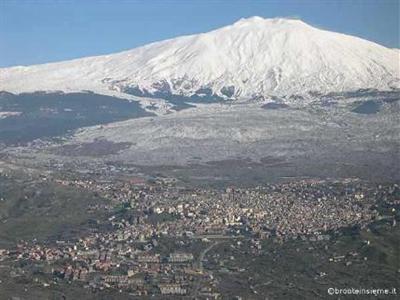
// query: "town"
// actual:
[[157, 234]]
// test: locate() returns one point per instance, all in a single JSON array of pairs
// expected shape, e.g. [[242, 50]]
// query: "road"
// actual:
[[201, 268], [203, 254]]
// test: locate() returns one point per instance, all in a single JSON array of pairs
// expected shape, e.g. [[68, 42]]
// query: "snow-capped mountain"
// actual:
[[253, 57]]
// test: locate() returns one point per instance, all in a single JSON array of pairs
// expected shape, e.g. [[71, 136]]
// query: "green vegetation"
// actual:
[[304, 270], [42, 210]]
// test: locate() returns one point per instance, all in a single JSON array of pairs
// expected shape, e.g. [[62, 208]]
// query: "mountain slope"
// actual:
[[253, 57]]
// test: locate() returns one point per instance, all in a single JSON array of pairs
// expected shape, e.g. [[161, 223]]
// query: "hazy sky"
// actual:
[[33, 32]]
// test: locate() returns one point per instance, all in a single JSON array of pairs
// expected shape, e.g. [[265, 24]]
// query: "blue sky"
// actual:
[[33, 32]]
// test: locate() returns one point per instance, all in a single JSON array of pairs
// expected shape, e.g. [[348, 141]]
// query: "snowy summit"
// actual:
[[251, 58]]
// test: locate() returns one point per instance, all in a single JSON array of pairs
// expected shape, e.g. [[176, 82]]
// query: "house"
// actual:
[[180, 257], [172, 289]]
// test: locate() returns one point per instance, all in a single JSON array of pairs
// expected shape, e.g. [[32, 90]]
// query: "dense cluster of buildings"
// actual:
[[285, 210], [130, 256]]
